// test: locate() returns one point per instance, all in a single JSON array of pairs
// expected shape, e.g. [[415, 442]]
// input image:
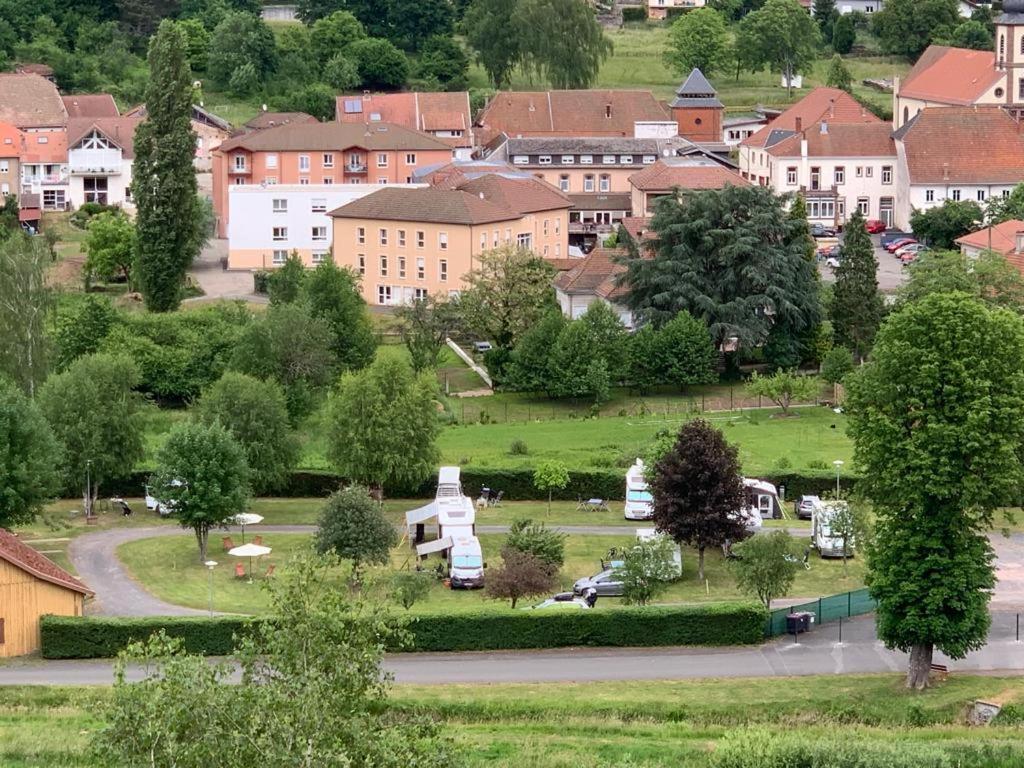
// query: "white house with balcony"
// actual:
[[100, 156]]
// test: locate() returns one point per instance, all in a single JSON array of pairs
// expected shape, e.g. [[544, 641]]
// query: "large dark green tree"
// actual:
[[698, 490], [698, 39], [906, 27], [30, 458], [333, 295], [940, 226], [562, 41], [164, 181], [241, 40], [825, 14], [856, 304], [732, 258], [490, 32], [937, 419]]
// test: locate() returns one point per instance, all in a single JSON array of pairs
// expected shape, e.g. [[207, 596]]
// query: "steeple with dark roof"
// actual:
[[696, 91], [697, 110]]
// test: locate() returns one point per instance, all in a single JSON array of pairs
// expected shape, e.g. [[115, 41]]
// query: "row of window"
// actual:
[[838, 175], [391, 294], [956, 194], [319, 257], [316, 205], [356, 162], [421, 238], [583, 159], [604, 182], [280, 234], [828, 208], [271, 181], [420, 263]]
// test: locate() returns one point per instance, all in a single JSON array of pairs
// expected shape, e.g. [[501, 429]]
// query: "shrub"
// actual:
[[66, 637], [409, 587], [634, 13], [80, 218], [519, 448], [261, 281]]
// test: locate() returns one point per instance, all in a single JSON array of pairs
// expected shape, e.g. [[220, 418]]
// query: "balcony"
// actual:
[[240, 170], [589, 227], [38, 179], [95, 162], [355, 168]]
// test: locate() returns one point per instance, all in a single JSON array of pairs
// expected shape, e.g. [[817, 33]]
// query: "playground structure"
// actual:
[[456, 531]]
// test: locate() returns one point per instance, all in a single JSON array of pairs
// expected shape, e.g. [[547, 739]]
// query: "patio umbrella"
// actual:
[[250, 551], [246, 518]]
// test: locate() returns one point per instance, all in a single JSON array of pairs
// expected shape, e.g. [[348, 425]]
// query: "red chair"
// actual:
[[270, 571], [257, 540], [227, 543], [239, 571]]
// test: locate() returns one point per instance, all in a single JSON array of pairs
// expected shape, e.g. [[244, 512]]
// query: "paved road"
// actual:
[[817, 653]]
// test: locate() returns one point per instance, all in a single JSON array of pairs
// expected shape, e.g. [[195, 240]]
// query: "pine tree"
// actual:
[[825, 14], [856, 303], [164, 182], [838, 75]]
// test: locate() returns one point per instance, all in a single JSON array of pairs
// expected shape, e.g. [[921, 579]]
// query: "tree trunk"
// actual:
[[549, 504], [700, 563], [202, 537], [514, 599], [920, 666]]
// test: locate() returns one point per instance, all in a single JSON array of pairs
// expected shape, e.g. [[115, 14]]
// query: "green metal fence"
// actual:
[[825, 609]]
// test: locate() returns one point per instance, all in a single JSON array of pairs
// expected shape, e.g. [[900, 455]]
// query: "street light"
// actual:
[[88, 488], [210, 565], [838, 464]]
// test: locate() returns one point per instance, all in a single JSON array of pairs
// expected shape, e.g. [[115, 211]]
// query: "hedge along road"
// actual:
[[817, 653]]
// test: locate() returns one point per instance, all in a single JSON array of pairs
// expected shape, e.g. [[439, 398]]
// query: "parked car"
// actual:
[[829, 251], [895, 245], [805, 506], [911, 250], [874, 226], [894, 235], [481, 346], [607, 583], [820, 230]]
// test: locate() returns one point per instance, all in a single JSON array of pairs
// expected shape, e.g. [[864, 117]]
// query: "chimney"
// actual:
[[824, 127], [607, 110], [831, 108], [799, 125]]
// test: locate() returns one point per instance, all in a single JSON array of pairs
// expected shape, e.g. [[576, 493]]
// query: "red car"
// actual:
[[874, 226], [895, 245]]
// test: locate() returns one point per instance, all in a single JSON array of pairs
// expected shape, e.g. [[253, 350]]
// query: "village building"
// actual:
[[659, 9], [32, 586], [671, 174], [445, 116], [1005, 238], [100, 155], [596, 277], [30, 102], [210, 131]]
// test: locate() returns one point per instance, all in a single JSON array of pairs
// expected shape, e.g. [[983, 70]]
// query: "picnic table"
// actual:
[[592, 505]]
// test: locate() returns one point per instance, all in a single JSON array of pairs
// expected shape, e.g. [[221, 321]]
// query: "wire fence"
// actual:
[[825, 609]]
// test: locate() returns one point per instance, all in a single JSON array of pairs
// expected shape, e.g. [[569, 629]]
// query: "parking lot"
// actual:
[[891, 274]]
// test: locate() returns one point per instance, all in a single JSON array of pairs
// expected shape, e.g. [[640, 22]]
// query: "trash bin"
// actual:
[[798, 622]]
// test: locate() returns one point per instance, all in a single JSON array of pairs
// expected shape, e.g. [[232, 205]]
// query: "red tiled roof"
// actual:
[[120, 130], [90, 105], [597, 273], [314, 136], [1001, 238], [45, 147], [830, 104], [275, 119], [12, 141], [841, 140], [22, 556], [663, 176], [440, 111], [951, 75], [522, 195], [563, 264], [451, 175], [963, 145], [638, 227], [568, 113]]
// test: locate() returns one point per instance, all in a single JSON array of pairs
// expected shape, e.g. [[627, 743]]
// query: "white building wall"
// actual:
[[117, 187], [862, 180]]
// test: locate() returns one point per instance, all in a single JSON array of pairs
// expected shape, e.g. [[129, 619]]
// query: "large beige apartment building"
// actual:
[[412, 243]]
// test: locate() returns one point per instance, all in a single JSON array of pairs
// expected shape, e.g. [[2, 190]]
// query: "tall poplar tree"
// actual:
[[856, 303], [164, 183]]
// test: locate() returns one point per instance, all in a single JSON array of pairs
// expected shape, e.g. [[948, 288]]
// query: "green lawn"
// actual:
[[588, 725], [169, 567]]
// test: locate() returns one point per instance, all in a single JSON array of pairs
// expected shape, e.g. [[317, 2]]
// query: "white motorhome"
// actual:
[[456, 531], [823, 537], [639, 501]]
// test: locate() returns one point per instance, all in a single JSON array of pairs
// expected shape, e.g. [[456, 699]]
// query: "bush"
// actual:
[[65, 637], [261, 281], [634, 13], [80, 218], [519, 448]]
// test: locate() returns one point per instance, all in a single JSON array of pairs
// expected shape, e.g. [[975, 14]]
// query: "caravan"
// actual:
[[639, 501], [762, 499], [456, 531], [823, 536]]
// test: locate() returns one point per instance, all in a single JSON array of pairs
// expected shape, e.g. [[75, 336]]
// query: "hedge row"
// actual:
[[517, 484], [93, 637]]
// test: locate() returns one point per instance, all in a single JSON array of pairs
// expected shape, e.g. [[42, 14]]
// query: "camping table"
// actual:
[[595, 505]]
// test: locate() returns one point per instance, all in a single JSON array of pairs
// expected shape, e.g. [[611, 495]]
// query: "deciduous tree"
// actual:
[[685, 354], [110, 247], [856, 309], [532, 367], [30, 458], [382, 425], [94, 413], [241, 39], [698, 490], [380, 64], [972, 34], [443, 59], [538, 540], [202, 475], [784, 388], [520, 575], [332, 293], [284, 285], [906, 27], [765, 566], [781, 36], [550, 476], [491, 33], [838, 75], [647, 569], [353, 526], [561, 41], [333, 34], [940, 226], [26, 300], [424, 326], [164, 181], [936, 419], [698, 39], [412, 22], [255, 412], [988, 277]]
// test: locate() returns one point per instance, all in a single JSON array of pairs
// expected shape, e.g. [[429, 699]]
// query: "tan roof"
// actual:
[[120, 130], [830, 104], [30, 101], [428, 204], [1001, 238], [441, 111], [517, 193], [638, 227], [839, 140], [570, 113], [951, 75], [90, 105], [595, 274], [274, 119], [962, 145], [22, 556], [663, 176], [333, 136]]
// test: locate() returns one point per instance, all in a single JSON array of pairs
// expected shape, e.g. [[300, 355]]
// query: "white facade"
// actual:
[[574, 305], [735, 130], [658, 9], [275, 220], [98, 172]]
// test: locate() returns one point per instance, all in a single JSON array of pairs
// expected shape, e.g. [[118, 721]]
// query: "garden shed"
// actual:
[[32, 586]]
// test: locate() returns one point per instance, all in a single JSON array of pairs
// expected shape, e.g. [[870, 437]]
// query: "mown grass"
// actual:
[[566, 725]]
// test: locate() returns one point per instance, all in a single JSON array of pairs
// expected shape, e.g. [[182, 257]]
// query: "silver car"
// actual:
[[607, 583]]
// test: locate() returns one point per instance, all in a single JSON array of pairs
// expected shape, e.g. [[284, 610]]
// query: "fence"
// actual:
[[825, 609]]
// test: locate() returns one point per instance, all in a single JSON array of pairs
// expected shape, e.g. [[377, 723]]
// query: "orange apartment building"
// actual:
[[412, 243], [321, 153]]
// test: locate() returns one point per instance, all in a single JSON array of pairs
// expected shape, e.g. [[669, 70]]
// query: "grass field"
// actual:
[[168, 566], [595, 725]]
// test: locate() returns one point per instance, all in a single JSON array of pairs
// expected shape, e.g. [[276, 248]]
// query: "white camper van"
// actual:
[[639, 501], [466, 563], [823, 537]]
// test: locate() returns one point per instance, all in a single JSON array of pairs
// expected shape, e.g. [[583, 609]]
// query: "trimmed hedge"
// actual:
[[95, 637]]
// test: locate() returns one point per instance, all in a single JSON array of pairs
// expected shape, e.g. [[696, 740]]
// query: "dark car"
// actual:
[[607, 583], [820, 230], [874, 226], [805, 507]]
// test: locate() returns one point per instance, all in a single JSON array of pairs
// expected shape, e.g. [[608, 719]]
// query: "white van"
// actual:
[[823, 538], [639, 501], [466, 563], [162, 508]]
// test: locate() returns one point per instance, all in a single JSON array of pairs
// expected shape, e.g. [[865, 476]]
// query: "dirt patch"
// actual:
[[67, 273]]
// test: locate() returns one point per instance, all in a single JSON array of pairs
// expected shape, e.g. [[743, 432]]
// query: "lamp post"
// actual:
[[88, 489], [838, 464], [210, 565]]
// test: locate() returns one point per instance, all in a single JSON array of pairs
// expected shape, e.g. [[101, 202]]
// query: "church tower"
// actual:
[[697, 110], [1010, 51]]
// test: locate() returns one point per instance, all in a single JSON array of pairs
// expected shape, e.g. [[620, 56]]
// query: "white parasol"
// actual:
[[246, 518], [250, 551]]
